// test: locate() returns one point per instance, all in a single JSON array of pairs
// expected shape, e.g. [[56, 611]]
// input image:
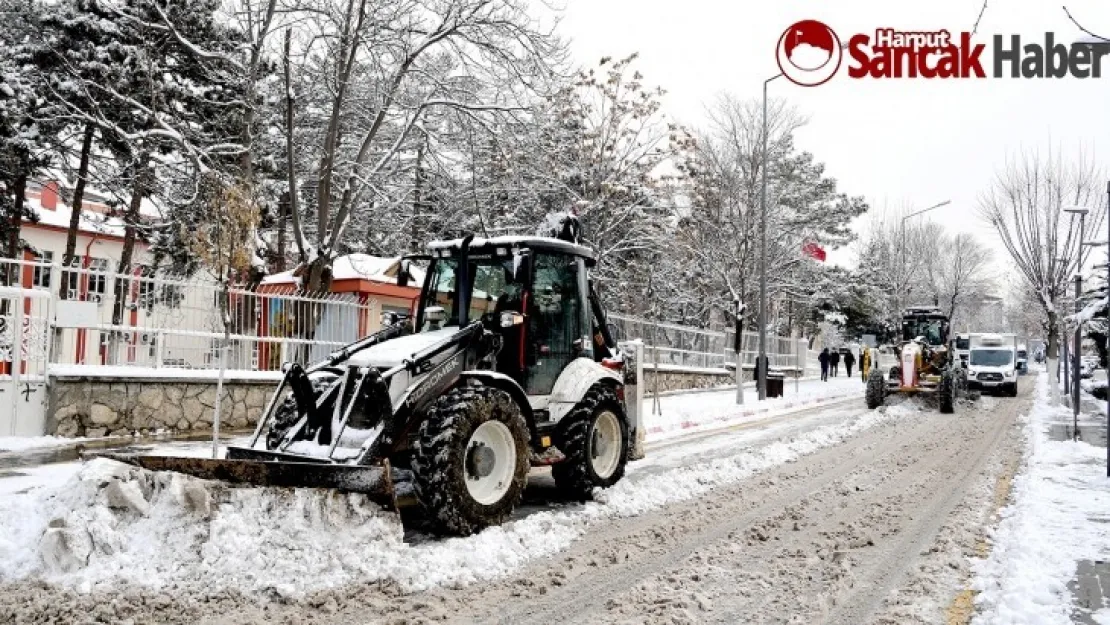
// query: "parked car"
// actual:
[[1087, 368]]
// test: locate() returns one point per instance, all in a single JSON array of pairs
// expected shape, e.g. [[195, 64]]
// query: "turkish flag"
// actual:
[[813, 250]]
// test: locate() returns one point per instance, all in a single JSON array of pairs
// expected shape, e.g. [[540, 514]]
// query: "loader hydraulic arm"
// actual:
[[344, 353]]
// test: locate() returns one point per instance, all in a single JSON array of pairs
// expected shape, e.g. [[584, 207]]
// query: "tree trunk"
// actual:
[[290, 153], [1053, 330], [417, 198], [14, 248], [75, 206], [131, 221], [317, 277], [283, 223]]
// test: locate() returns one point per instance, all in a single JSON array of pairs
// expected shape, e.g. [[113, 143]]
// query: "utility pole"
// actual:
[[1076, 357], [1099, 243], [738, 346]]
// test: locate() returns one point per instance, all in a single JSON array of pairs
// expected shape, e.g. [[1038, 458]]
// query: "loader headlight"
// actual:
[[510, 319]]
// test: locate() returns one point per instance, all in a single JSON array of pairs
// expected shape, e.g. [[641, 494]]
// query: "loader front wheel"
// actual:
[[876, 389], [594, 438], [470, 462], [947, 393]]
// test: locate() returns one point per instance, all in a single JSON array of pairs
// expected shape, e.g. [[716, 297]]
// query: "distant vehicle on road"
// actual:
[[993, 363], [963, 346], [1022, 360]]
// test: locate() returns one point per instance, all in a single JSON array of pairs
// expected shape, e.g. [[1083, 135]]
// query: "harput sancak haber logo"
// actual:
[[810, 53]]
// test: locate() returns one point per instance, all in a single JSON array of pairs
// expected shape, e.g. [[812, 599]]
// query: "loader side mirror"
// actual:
[[403, 273]]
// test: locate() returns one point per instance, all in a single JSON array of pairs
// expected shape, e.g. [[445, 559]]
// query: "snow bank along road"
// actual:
[[835, 515]]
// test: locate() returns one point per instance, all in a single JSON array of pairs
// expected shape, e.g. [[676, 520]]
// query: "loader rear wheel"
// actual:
[[876, 389], [470, 461], [594, 438]]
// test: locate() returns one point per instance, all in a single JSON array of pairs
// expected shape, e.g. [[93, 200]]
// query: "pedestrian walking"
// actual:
[[849, 360], [834, 362], [823, 358]]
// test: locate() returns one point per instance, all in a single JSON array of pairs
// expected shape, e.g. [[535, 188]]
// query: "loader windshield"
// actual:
[[991, 357], [490, 289]]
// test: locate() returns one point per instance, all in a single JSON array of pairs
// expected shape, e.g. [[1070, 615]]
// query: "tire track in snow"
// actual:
[[586, 595]]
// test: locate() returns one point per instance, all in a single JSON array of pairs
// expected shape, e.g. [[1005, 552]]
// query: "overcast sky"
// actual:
[[896, 142]]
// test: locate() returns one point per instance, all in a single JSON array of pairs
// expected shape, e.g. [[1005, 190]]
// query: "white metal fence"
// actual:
[[150, 320], [683, 346], [24, 353]]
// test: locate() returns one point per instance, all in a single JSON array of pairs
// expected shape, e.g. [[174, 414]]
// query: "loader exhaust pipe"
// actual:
[[463, 280]]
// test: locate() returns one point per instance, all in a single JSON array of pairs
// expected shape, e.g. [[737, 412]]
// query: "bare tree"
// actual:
[[377, 68], [1026, 208], [963, 274]]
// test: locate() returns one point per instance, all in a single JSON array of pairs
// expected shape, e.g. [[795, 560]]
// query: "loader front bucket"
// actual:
[[374, 481]]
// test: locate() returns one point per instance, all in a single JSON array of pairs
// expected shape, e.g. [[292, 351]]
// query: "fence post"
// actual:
[[159, 353], [655, 405], [17, 359], [54, 331]]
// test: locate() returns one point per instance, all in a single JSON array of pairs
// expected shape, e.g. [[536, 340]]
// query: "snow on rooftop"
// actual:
[[358, 266], [91, 222]]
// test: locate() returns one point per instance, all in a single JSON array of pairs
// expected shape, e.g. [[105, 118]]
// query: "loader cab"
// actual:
[[532, 291]]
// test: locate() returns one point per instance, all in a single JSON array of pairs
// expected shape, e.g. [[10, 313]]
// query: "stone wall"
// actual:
[[93, 407], [675, 380]]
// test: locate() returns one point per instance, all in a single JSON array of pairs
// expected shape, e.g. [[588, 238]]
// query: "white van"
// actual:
[[992, 363]]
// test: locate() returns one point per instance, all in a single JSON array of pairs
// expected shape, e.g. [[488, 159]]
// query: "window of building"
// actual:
[[98, 278], [41, 277], [95, 281]]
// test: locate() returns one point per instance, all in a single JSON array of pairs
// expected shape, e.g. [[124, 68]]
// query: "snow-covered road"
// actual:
[[799, 515]]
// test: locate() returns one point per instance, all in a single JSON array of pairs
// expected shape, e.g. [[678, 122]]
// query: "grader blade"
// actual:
[[374, 481]]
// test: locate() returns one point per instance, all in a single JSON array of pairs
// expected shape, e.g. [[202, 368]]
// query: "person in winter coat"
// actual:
[[849, 360], [823, 358], [834, 362]]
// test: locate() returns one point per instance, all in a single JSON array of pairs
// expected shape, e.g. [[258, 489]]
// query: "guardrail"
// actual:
[[677, 345]]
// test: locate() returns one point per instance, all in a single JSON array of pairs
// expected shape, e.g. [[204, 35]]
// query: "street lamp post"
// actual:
[[1076, 357], [905, 282], [761, 359]]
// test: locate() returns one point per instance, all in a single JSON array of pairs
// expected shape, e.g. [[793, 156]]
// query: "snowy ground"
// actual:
[[827, 506], [1058, 519], [686, 413], [24, 443]]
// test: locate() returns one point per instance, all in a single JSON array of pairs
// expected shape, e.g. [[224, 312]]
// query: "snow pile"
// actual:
[[115, 524], [1057, 518]]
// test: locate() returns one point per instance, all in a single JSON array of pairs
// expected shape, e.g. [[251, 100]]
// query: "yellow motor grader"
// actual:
[[927, 363]]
